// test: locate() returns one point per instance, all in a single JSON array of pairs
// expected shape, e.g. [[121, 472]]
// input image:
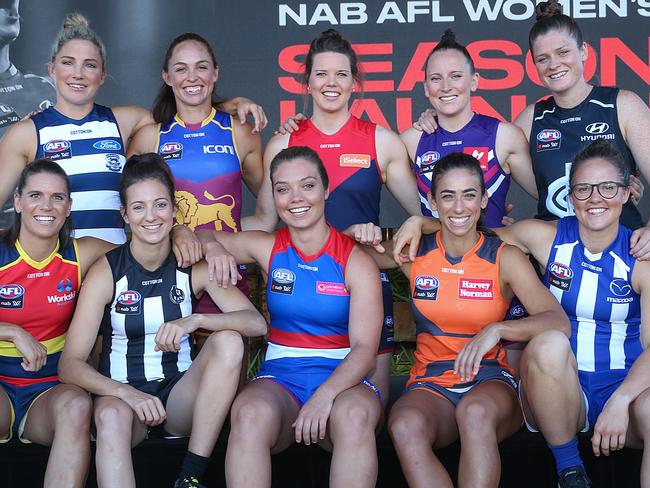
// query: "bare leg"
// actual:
[[61, 418], [488, 414], [199, 402], [351, 427], [419, 420], [118, 429], [639, 433], [551, 393], [261, 421], [5, 414]]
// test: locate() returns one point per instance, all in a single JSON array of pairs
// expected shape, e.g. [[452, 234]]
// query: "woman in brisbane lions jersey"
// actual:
[[461, 385], [41, 268]]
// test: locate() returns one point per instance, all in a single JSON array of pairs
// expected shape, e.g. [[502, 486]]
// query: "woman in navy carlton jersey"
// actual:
[[324, 299], [143, 299], [88, 140], [40, 272], [600, 377], [500, 147], [575, 114]]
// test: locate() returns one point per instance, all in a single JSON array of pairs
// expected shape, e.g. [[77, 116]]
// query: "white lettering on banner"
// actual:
[[412, 11]]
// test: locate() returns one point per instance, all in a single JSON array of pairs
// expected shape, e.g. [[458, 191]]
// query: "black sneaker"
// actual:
[[574, 477], [190, 482]]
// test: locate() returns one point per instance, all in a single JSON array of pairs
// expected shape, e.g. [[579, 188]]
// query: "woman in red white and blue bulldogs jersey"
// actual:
[[324, 303], [40, 273]]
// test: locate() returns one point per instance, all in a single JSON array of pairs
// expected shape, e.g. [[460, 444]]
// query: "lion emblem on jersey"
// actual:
[[192, 213]]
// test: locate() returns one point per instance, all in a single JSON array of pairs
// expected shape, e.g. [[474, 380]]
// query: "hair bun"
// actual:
[[74, 20], [449, 36], [550, 8], [331, 34]]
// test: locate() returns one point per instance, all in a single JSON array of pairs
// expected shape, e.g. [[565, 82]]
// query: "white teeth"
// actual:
[[331, 94], [43, 218], [75, 86], [448, 98], [298, 210], [151, 227], [458, 220], [596, 211], [192, 90], [557, 75]]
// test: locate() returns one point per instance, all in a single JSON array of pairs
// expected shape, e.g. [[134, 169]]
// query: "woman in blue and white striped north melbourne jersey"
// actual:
[[143, 300], [600, 377]]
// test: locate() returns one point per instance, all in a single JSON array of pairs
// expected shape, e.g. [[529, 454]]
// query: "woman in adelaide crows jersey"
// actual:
[[88, 140], [324, 299], [461, 385], [575, 114], [599, 378], [40, 272], [143, 300]]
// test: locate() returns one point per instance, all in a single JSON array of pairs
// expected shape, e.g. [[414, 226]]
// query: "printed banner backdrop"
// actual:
[[260, 45]]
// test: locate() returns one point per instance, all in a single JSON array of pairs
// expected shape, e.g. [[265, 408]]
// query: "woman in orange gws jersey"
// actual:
[[461, 385]]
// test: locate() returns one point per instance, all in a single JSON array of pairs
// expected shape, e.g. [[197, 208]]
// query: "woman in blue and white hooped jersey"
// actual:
[[600, 377], [86, 139]]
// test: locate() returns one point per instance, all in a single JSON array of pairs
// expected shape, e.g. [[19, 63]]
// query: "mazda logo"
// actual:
[[597, 128], [620, 287]]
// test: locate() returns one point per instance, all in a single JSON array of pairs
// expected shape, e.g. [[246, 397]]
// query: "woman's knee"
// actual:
[[113, 417], [354, 419], [226, 347], [549, 353], [73, 409], [475, 416], [251, 417], [405, 424]]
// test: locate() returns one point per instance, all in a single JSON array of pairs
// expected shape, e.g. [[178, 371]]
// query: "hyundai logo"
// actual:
[[597, 128]]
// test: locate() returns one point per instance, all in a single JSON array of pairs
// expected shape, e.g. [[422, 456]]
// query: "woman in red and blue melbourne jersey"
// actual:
[[359, 157], [324, 300], [40, 272], [500, 147], [208, 152]]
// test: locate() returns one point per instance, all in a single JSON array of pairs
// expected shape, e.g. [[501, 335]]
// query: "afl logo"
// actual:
[[56, 146], [11, 291], [430, 157], [113, 162], [107, 145], [426, 282], [597, 128], [170, 148], [65, 285], [283, 276], [129, 297], [561, 271], [548, 135]]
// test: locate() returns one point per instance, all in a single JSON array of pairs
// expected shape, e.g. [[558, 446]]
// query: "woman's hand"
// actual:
[[427, 121], [611, 427], [169, 335], [311, 424], [367, 234], [222, 266], [34, 353], [186, 246], [636, 189], [291, 124], [469, 358], [244, 107], [148, 408], [409, 234]]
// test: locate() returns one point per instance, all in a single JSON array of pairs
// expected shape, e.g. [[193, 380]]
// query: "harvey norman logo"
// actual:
[[473, 289], [355, 160]]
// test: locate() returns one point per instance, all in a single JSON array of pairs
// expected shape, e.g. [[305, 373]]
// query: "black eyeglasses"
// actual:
[[607, 189]]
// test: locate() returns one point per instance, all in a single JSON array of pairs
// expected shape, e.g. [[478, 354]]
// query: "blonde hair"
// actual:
[[76, 26]]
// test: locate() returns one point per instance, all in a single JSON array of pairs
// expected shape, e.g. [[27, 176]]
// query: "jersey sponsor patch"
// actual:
[[57, 149], [176, 295], [329, 288], [548, 139], [621, 289], [171, 150], [283, 281], [128, 303], [427, 161], [11, 296], [113, 162], [107, 145], [425, 287], [475, 289], [480, 154], [355, 160], [560, 276]]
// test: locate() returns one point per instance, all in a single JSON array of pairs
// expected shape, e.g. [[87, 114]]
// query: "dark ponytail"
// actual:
[[550, 17]]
